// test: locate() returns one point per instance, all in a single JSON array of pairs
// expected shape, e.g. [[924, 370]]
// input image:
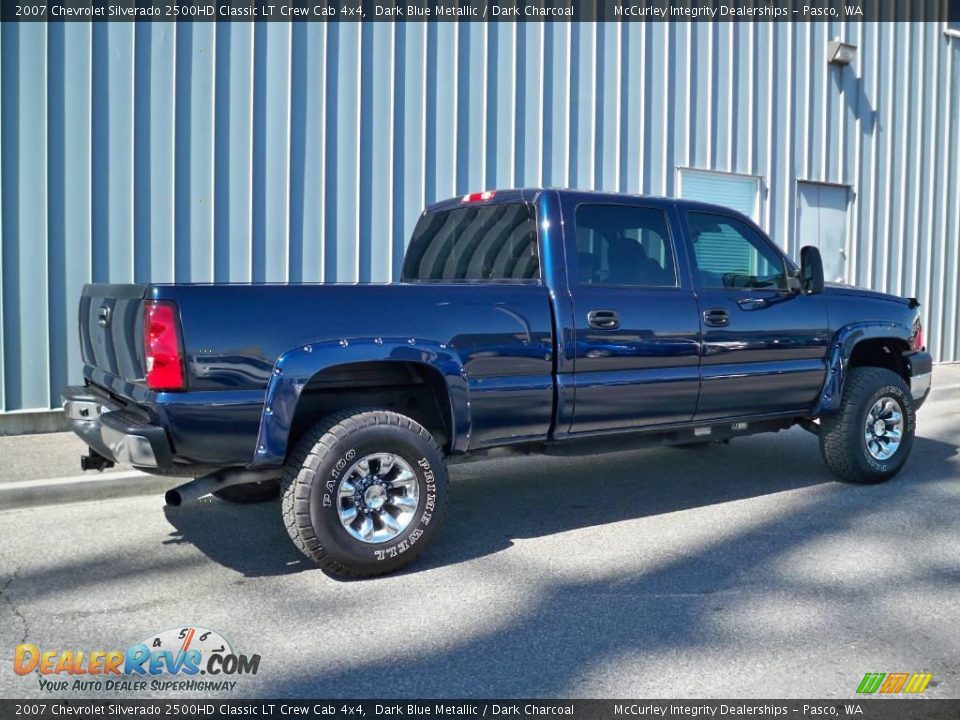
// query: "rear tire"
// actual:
[[250, 493], [869, 439], [364, 492]]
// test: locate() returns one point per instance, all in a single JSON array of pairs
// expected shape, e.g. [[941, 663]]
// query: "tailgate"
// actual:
[[111, 329]]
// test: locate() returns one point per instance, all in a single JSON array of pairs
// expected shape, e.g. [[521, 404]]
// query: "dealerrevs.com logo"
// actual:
[[167, 661]]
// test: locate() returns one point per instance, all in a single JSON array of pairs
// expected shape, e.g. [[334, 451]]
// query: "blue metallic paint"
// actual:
[[644, 372], [841, 348], [295, 368], [515, 361]]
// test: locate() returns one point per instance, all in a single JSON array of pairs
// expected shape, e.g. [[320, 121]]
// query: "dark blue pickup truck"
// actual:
[[533, 321]]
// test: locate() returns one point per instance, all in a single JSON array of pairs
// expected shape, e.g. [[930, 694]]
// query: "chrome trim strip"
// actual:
[[920, 385]]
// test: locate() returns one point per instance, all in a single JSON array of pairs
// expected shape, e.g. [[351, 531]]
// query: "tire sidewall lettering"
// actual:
[[416, 529], [410, 535], [330, 485]]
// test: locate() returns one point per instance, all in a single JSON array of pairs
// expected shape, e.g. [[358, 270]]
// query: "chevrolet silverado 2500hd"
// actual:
[[537, 320]]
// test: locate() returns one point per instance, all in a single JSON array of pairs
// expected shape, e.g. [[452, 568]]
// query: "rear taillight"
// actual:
[[916, 341], [162, 346]]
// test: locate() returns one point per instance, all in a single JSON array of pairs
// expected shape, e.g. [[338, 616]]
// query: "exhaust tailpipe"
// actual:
[[197, 488]]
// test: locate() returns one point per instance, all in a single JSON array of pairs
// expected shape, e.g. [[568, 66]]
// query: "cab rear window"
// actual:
[[487, 243]]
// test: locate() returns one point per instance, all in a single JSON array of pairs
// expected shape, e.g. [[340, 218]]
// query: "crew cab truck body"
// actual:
[[534, 320]]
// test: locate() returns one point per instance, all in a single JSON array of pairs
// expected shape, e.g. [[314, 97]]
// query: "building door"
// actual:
[[822, 222]]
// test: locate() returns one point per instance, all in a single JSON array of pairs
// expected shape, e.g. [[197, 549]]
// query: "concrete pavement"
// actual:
[[42, 470], [742, 570]]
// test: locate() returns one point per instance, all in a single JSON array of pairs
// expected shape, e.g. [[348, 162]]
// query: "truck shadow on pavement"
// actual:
[[250, 539], [494, 502], [783, 590], [534, 497]]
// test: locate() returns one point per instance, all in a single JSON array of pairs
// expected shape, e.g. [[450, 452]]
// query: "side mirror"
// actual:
[[811, 270]]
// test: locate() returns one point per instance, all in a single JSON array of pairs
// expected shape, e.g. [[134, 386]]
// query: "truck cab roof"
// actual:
[[529, 194]]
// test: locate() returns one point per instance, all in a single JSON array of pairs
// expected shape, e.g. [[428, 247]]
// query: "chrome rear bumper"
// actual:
[[118, 433], [920, 367], [920, 386]]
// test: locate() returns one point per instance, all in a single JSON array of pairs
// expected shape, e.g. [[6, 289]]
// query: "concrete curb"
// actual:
[[80, 488]]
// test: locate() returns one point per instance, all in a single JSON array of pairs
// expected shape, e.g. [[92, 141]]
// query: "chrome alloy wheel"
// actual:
[[378, 498], [883, 430]]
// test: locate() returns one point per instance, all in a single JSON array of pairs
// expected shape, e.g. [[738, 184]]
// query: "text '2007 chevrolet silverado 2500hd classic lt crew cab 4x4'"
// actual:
[[538, 321]]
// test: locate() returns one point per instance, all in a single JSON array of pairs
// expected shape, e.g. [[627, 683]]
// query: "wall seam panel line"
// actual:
[[874, 159], [3, 329], [948, 317], [768, 178], [357, 164], [289, 153], [824, 174], [668, 88], [713, 126], [955, 221], [888, 211], [513, 106], [641, 111], [251, 139], [391, 149], [542, 93], [618, 104], [843, 176], [49, 191], [132, 163], [933, 243], [688, 110], [916, 204], [324, 219], [594, 105], [211, 150], [902, 223], [928, 221], [808, 99], [45, 95], [751, 97], [423, 109], [789, 159], [485, 104], [568, 80], [854, 174]]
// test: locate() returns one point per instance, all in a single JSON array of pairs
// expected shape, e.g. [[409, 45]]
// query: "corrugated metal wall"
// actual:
[[198, 152]]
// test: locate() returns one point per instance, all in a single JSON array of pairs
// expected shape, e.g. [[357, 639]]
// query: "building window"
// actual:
[[738, 192]]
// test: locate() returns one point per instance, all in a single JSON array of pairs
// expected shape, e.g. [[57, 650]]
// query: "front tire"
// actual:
[[870, 437], [364, 492]]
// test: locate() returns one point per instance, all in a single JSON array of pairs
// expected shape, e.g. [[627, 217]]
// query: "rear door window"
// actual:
[[487, 243]]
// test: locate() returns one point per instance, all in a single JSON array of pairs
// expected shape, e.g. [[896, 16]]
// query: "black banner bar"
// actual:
[[480, 10], [917, 708]]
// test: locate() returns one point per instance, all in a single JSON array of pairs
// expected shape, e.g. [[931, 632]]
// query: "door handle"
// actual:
[[716, 317], [751, 303], [603, 319]]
